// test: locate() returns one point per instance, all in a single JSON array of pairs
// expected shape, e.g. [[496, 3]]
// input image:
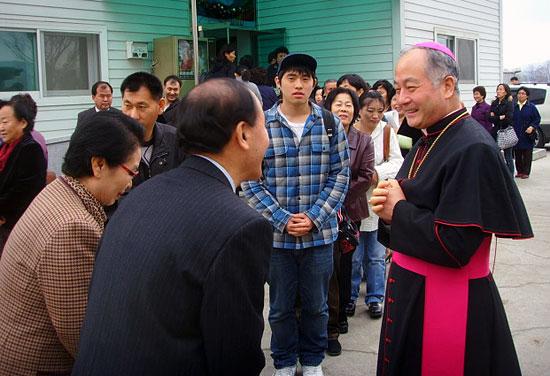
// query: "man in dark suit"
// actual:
[[178, 284], [172, 88], [102, 95]]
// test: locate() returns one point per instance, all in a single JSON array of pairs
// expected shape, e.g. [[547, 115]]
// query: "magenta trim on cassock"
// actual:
[[437, 47], [446, 309]]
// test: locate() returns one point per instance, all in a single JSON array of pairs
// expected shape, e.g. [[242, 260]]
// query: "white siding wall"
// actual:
[[481, 17], [117, 21]]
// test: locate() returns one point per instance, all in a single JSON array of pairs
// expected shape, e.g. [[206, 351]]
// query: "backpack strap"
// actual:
[[386, 141], [329, 123]]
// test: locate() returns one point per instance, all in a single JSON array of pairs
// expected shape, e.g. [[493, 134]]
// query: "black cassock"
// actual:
[[461, 195]]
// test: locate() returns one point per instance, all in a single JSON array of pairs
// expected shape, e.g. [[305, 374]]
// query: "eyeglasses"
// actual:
[[129, 171]]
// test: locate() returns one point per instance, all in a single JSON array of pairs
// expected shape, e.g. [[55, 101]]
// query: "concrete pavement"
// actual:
[[522, 273]]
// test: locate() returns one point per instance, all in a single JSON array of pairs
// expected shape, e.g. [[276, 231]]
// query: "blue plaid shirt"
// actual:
[[310, 176]]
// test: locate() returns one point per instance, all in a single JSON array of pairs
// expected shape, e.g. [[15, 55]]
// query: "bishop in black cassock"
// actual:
[[443, 313]]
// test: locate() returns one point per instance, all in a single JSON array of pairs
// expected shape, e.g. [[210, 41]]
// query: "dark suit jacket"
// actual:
[[178, 284], [83, 115], [169, 116]]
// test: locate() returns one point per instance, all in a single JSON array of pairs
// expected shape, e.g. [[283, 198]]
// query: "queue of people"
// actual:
[[513, 115], [145, 260]]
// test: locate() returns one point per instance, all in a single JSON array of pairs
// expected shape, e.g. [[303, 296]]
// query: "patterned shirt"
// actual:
[[309, 175]]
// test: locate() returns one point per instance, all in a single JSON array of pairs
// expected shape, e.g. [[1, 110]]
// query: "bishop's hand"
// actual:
[[384, 198]]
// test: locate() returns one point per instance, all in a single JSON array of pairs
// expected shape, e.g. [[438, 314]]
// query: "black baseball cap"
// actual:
[[296, 61]]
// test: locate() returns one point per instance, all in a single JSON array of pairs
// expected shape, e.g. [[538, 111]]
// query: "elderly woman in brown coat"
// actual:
[[47, 262]]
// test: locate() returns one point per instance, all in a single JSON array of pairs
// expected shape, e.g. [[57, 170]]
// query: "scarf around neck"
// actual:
[[5, 152]]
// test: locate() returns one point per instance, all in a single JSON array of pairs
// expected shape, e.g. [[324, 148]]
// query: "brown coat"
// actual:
[[362, 169], [45, 271]]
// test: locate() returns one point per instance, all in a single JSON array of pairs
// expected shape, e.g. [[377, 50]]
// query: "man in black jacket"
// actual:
[[178, 284], [172, 88], [102, 95], [142, 100]]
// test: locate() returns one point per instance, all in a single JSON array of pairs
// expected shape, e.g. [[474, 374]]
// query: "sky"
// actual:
[[526, 32]]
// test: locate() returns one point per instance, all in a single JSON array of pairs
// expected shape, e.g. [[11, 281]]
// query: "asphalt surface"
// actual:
[[522, 274]]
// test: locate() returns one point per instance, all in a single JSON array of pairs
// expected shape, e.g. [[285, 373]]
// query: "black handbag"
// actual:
[[533, 135], [348, 233]]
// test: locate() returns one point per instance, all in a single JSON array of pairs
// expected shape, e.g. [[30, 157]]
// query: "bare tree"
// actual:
[[536, 72]]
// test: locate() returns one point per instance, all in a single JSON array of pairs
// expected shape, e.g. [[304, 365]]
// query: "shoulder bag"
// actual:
[[507, 138], [348, 233]]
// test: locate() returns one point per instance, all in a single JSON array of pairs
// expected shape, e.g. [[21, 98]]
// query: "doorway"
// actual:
[[258, 44]]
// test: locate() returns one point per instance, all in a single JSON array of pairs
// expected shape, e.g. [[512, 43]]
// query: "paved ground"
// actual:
[[522, 273]]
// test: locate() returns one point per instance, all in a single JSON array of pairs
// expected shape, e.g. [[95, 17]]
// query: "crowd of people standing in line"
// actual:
[[194, 304], [519, 114]]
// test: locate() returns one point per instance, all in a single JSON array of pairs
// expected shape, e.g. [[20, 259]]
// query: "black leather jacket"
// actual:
[[165, 156], [506, 108]]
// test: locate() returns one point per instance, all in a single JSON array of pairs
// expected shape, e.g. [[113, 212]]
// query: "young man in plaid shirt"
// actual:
[[306, 173]]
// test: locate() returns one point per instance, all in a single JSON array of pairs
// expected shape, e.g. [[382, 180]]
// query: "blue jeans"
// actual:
[[305, 272], [509, 158], [373, 265]]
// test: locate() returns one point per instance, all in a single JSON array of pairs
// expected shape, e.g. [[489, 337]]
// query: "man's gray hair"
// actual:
[[440, 65]]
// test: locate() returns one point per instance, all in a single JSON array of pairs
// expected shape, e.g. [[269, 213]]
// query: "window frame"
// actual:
[[39, 28], [33, 93], [465, 35], [92, 64]]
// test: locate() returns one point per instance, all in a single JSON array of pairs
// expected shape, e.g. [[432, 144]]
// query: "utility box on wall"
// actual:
[[136, 50], [174, 56]]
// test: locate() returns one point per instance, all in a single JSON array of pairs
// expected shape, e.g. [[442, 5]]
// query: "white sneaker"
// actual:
[[312, 371], [287, 371]]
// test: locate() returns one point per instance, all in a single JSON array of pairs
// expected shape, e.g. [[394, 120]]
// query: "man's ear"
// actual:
[[449, 84], [242, 136], [162, 103], [277, 82]]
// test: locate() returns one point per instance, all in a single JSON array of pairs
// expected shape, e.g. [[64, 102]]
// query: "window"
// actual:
[[18, 68], [69, 62], [536, 96], [465, 50]]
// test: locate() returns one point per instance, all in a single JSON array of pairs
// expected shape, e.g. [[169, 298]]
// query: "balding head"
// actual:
[[210, 112]]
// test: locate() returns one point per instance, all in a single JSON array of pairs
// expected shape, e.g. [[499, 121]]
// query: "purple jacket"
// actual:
[[362, 169], [481, 112], [42, 142]]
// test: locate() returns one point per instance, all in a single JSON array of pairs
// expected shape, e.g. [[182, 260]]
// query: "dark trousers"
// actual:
[[523, 161], [339, 290]]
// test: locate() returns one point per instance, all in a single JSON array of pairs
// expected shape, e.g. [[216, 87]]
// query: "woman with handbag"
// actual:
[[370, 254], [526, 120], [502, 115], [344, 103]]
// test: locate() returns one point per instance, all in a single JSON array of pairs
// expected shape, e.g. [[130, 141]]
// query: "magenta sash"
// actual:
[[446, 309]]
